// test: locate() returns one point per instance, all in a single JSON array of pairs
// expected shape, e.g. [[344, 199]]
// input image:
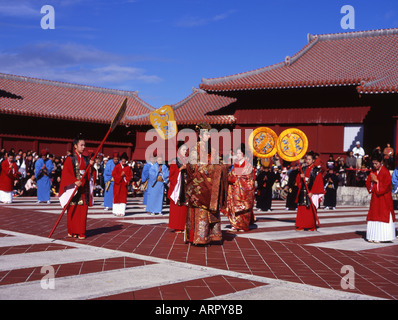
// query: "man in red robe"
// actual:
[[9, 173], [122, 175], [381, 216], [72, 172], [176, 193], [307, 203]]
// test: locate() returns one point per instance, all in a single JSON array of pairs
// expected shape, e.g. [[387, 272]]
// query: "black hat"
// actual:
[[377, 156]]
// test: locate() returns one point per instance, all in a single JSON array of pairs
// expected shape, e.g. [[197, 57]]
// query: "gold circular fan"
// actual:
[[292, 144], [262, 142]]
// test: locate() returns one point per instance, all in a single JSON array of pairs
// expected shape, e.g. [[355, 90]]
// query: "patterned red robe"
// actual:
[[207, 185], [240, 200]]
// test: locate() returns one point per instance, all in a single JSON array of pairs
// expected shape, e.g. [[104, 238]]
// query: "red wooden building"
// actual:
[[338, 89], [37, 114]]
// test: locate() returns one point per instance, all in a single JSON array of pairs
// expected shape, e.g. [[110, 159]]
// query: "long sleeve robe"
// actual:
[[155, 188], [7, 177], [381, 204], [306, 213], [77, 211], [121, 183], [178, 211], [43, 178], [240, 199], [108, 195]]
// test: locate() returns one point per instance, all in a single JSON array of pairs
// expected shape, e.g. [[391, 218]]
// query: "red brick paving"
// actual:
[[70, 269], [197, 289], [376, 270]]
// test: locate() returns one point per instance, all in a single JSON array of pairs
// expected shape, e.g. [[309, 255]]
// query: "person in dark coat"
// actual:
[[331, 183], [265, 181], [292, 188]]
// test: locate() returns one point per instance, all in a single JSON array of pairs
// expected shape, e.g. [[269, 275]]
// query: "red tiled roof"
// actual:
[[388, 84], [194, 109], [367, 59], [51, 99]]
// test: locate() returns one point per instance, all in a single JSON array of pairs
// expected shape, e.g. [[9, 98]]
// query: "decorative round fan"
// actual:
[[292, 144], [262, 142]]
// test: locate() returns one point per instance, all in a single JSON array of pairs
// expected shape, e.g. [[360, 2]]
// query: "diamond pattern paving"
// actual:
[[271, 250]]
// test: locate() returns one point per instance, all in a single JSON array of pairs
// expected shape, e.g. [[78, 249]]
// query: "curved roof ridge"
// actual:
[[242, 75], [292, 59], [371, 83], [68, 85], [185, 100], [145, 104], [353, 34], [303, 51]]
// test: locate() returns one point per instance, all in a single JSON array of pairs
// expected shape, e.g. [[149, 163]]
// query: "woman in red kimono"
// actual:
[[240, 200], [381, 216], [122, 175], [9, 173], [307, 204], [177, 177], [72, 172]]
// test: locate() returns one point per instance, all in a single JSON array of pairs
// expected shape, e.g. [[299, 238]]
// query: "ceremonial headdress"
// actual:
[[202, 126]]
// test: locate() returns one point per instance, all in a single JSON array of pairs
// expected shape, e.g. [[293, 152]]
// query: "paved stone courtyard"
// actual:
[[139, 258]]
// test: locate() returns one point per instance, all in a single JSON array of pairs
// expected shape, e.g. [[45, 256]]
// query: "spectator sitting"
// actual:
[[350, 163], [30, 189], [388, 154], [362, 176]]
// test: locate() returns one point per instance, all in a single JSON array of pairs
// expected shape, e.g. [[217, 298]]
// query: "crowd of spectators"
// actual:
[[349, 170], [26, 184]]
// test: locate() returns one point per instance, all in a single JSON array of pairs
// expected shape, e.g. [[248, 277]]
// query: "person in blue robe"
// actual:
[[158, 178], [145, 177], [108, 180], [395, 181], [43, 170]]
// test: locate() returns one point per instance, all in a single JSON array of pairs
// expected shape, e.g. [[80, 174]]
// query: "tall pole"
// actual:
[[114, 123]]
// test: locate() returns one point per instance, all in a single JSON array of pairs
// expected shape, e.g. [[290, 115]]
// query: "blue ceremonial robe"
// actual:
[[43, 179], [395, 181], [144, 177], [108, 195], [156, 190]]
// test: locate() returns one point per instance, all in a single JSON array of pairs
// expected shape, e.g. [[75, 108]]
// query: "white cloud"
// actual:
[[389, 14], [14, 9], [189, 21], [73, 63]]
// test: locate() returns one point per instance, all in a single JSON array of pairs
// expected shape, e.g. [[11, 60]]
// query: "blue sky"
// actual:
[[164, 48]]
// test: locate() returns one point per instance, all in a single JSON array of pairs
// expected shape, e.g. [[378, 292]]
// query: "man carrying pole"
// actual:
[[292, 145], [311, 189], [69, 188], [74, 168]]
